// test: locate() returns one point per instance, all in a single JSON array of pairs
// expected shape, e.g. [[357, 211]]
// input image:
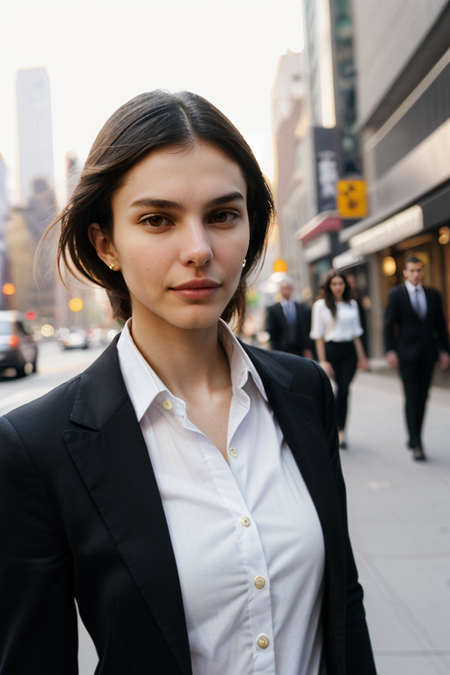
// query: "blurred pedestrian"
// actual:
[[337, 330], [186, 488], [289, 323], [362, 312], [416, 336]]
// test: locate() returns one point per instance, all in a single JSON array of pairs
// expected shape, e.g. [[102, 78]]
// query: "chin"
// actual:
[[196, 318]]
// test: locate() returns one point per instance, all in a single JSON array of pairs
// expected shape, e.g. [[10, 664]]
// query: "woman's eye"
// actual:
[[155, 220], [224, 216]]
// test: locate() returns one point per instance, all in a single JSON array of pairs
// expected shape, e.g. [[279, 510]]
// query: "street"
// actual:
[[399, 514]]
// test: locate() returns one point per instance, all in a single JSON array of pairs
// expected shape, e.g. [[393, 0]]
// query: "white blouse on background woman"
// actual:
[[344, 327]]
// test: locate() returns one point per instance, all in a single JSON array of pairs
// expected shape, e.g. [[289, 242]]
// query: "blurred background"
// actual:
[[346, 104]]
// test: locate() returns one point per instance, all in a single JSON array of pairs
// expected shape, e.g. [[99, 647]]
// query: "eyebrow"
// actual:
[[167, 204]]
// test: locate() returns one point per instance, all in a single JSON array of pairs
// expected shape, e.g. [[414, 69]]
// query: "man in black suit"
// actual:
[[416, 336], [289, 323]]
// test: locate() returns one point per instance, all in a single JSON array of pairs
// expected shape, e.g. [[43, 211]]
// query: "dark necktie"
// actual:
[[416, 304], [290, 307]]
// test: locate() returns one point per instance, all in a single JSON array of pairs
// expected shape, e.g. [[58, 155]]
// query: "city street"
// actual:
[[399, 515]]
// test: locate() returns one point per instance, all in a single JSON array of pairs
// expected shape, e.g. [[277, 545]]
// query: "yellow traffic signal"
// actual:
[[352, 198], [8, 289], [280, 265], [75, 304]]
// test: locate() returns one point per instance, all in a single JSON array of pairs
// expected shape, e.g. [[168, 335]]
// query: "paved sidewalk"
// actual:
[[399, 516]]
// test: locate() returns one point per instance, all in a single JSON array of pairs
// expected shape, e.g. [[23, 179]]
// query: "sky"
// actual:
[[101, 53]]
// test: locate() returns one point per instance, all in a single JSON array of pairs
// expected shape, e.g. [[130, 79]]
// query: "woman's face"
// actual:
[[181, 233], [337, 287]]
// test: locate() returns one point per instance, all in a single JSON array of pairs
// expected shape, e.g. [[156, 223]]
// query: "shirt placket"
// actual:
[[252, 553]]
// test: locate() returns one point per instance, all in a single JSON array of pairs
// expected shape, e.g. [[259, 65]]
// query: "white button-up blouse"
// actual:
[[245, 533], [345, 326]]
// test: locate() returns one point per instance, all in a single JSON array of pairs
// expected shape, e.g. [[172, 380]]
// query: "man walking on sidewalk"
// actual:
[[416, 336], [289, 323]]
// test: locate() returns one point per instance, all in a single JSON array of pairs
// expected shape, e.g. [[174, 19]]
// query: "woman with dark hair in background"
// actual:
[[185, 489], [336, 328]]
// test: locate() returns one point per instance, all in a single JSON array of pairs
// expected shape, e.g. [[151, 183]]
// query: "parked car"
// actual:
[[18, 349], [74, 338]]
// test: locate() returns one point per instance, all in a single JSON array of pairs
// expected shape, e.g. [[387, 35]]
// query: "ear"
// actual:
[[404, 273], [103, 245]]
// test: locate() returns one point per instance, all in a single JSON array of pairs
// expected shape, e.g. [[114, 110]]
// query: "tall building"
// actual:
[[3, 220], [34, 130], [318, 145], [73, 172], [291, 187], [402, 52]]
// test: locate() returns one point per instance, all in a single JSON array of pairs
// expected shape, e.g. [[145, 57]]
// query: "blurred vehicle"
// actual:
[[18, 349], [74, 338]]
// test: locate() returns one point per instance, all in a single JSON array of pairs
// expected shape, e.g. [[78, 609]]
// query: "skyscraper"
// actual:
[[34, 128], [3, 219]]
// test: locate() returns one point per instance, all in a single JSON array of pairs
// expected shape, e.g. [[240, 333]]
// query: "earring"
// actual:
[[245, 262], [111, 267]]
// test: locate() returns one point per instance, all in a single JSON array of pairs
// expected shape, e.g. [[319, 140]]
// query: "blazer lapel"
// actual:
[[112, 458], [300, 423]]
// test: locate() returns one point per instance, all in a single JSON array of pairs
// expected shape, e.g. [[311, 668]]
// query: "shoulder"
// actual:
[[43, 416], [293, 372], [273, 308], [432, 292], [319, 305], [398, 291]]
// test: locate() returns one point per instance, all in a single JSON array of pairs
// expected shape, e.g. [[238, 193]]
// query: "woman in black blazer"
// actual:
[[170, 217]]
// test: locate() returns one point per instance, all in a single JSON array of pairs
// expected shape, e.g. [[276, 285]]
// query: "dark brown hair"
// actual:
[[411, 259], [152, 121], [328, 293]]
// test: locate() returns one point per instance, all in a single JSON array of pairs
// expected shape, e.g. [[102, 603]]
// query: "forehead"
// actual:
[[411, 266], [183, 173]]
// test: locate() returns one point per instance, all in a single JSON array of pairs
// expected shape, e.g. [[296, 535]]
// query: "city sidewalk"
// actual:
[[399, 518]]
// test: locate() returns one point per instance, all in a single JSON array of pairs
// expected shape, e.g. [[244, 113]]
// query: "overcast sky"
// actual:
[[100, 53]]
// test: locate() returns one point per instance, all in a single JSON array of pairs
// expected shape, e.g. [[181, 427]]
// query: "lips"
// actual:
[[196, 283], [196, 289]]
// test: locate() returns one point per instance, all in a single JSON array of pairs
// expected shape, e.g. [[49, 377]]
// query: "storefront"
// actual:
[[422, 231]]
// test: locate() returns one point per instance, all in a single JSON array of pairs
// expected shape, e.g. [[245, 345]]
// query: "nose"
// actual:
[[196, 247]]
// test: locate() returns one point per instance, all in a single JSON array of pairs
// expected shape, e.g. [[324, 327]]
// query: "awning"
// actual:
[[327, 221], [346, 259], [390, 232]]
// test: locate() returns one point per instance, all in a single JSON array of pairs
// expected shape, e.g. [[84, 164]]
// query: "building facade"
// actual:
[[34, 130], [329, 58], [292, 185], [3, 220], [402, 52]]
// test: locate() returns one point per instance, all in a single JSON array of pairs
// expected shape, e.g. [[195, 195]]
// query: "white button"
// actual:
[[245, 521], [168, 404], [259, 582], [233, 452], [262, 641]]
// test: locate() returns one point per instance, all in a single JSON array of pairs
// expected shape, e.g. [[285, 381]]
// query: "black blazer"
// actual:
[[411, 337], [81, 516], [281, 338]]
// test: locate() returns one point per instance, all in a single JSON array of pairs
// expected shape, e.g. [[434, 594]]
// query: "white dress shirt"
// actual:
[[345, 326], [246, 536], [419, 292]]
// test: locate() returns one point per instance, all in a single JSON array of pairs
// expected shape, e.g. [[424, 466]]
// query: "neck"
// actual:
[[186, 360]]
